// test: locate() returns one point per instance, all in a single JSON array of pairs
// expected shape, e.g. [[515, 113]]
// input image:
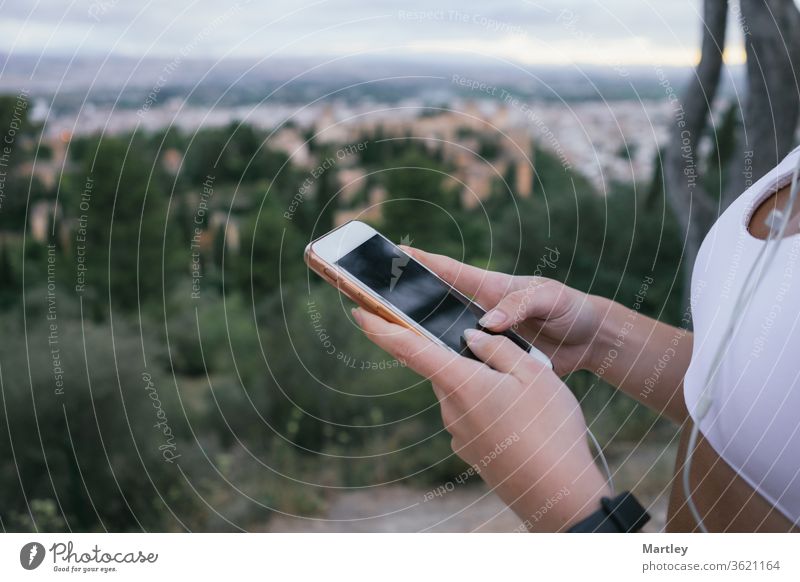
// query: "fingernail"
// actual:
[[494, 317], [473, 335], [356, 315]]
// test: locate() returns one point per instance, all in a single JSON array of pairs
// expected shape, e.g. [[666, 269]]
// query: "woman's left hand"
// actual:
[[510, 417]]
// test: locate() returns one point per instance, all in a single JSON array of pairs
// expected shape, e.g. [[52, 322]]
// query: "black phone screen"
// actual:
[[419, 294]]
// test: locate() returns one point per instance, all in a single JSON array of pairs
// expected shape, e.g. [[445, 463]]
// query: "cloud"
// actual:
[[629, 51], [526, 31]]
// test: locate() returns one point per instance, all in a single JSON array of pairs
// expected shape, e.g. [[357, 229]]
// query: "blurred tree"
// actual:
[[185, 219], [10, 288], [15, 117], [79, 445], [126, 224], [603, 245], [723, 140], [421, 208], [17, 189], [200, 338], [769, 118], [489, 148], [325, 203], [330, 384], [271, 252], [232, 154]]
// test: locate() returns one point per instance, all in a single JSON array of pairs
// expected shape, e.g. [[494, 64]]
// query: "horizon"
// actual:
[[526, 33]]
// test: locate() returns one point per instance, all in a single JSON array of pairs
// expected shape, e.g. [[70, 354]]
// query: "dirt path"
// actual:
[[469, 507], [403, 509]]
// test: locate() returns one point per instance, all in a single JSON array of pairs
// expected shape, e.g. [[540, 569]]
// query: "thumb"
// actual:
[[537, 300]]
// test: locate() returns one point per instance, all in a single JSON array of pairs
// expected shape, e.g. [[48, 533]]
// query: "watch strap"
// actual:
[[620, 514]]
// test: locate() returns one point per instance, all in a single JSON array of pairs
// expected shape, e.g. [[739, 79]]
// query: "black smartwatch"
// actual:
[[622, 514]]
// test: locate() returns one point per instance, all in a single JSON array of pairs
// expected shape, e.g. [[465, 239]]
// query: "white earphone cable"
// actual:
[[603, 461]]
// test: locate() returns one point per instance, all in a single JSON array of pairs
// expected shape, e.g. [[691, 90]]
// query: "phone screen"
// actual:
[[420, 295]]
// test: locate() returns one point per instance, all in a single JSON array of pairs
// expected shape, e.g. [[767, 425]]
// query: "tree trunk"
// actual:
[[772, 42], [694, 208], [769, 116]]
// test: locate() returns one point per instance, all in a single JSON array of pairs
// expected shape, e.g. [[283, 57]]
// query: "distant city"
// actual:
[[606, 125]]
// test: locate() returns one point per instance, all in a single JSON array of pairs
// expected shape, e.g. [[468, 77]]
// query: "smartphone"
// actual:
[[378, 276]]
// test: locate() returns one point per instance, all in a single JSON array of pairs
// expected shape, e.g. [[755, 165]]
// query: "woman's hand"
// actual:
[[562, 322], [511, 418], [580, 331]]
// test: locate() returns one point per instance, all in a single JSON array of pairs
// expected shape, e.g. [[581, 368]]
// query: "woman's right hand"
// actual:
[[562, 322]]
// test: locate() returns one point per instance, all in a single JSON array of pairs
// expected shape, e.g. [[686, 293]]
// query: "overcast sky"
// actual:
[[606, 32]]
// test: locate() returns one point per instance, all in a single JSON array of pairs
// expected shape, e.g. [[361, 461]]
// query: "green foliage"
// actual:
[[14, 117], [21, 192], [127, 242], [10, 288], [417, 451], [18, 189], [605, 245], [266, 380], [324, 204], [82, 436], [329, 384], [271, 251], [420, 207], [233, 154], [489, 148], [200, 335]]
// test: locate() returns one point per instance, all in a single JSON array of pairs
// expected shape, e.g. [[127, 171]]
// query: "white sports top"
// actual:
[[753, 422]]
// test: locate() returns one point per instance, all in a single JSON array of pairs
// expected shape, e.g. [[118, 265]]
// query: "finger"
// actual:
[[443, 366], [438, 392], [501, 353], [534, 301], [447, 410], [487, 287]]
